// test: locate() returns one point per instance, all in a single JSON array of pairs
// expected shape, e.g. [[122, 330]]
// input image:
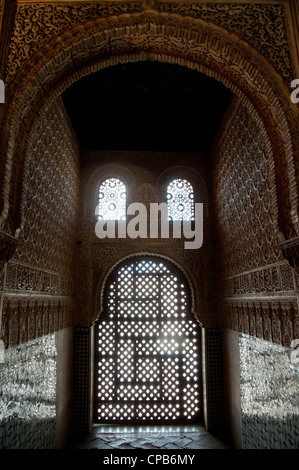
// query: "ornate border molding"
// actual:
[[20, 277], [269, 280], [37, 23], [27, 318], [274, 320]]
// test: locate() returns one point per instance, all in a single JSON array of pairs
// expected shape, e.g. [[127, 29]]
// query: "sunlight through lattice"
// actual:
[[147, 364], [112, 200], [180, 200]]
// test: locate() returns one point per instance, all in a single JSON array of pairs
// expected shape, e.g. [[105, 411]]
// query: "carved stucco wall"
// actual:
[[258, 288], [262, 25], [38, 284]]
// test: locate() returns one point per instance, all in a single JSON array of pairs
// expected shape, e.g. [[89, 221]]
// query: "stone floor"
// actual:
[[145, 437]]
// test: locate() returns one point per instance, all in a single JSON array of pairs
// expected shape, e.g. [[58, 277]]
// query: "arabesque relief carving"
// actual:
[[274, 320], [277, 278], [38, 281], [50, 195], [258, 287], [27, 318], [262, 26], [245, 197]]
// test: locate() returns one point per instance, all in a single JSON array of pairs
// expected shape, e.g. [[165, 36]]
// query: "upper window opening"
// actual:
[[180, 200], [112, 200]]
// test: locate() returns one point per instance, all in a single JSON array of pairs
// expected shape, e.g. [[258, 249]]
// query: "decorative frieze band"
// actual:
[[272, 320], [268, 280], [27, 318], [36, 24], [23, 277]]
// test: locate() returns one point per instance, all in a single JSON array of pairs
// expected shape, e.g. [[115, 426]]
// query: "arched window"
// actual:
[[180, 200], [147, 347], [112, 200]]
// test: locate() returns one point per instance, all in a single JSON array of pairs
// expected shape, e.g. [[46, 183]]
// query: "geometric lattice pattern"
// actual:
[[81, 378], [147, 348], [112, 200], [180, 200]]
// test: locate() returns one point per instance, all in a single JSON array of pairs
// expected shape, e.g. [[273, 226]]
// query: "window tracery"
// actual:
[[180, 200], [147, 347], [112, 200]]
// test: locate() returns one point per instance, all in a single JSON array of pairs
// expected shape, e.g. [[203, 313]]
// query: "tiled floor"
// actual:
[[145, 437]]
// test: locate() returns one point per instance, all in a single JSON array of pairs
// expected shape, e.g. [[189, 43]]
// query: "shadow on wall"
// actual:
[[22, 433], [269, 386], [269, 433]]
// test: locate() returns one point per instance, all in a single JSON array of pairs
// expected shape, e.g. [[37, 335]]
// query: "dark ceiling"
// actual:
[[146, 106]]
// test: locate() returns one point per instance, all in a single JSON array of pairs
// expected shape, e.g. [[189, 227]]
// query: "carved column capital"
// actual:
[[290, 251], [8, 245]]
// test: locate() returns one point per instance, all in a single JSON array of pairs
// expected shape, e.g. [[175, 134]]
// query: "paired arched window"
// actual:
[[112, 200]]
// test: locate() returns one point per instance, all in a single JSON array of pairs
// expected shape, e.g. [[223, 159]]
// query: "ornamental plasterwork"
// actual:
[[26, 318], [262, 26], [258, 288], [37, 283], [274, 320]]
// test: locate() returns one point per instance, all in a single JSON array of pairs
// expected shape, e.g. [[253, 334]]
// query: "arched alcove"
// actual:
[[175, 39]]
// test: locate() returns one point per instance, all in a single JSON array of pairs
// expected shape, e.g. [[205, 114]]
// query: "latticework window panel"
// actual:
[[147, 348], [180, 200], [112, 200]]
